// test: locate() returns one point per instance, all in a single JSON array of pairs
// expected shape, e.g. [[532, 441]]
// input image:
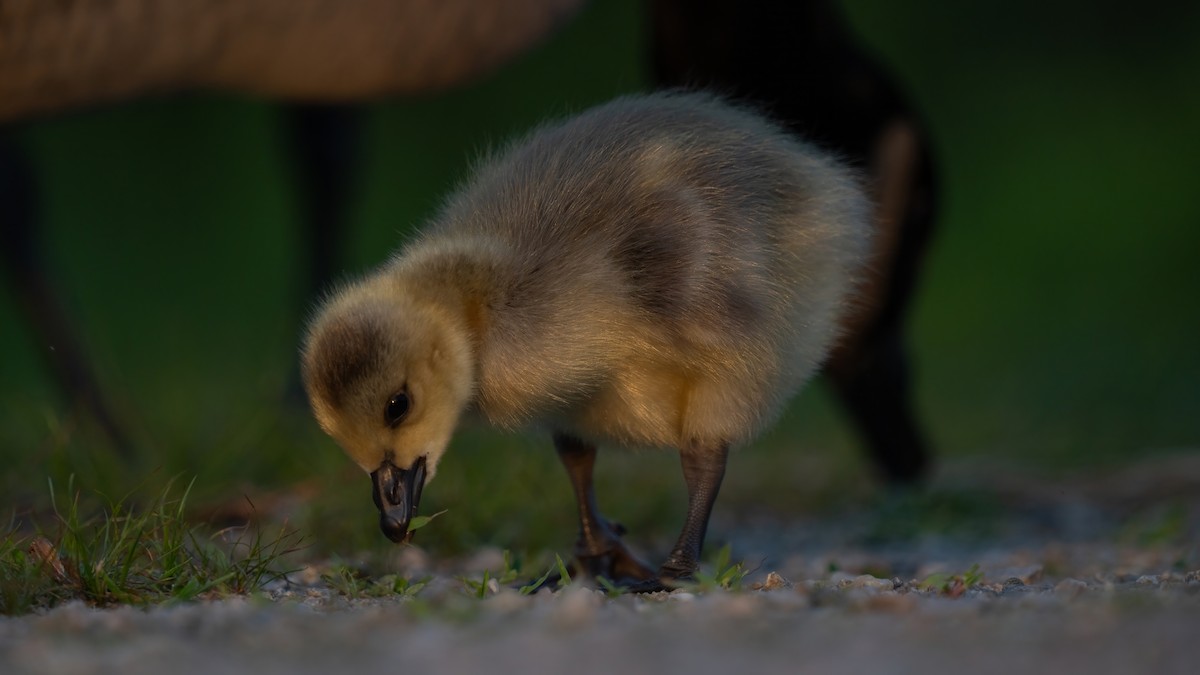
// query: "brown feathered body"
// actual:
[[661, 270]]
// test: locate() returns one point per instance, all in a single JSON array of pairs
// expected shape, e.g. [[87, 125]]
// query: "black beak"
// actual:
[[396, 492]]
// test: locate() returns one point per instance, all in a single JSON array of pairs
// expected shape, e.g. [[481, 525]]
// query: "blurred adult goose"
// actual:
[[662, 270]]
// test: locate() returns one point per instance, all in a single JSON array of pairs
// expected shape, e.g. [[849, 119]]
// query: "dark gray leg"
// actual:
[[598, 551], [877, 394], [325, 142], [25, 273], [832, 89], [703, 470]]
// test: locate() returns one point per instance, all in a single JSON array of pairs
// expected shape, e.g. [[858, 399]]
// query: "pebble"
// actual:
[[773, 582], [868, 583], [1070, 588]]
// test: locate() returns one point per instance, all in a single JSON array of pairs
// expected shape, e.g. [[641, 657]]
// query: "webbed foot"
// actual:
[[605, 555]]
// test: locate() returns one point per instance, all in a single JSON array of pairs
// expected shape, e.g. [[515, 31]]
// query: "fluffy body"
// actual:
[[662, 270]]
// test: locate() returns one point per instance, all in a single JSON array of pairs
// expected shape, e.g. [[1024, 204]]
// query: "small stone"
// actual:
[[774, 582], [682, 596], [870, 583], [1147, 580], [1070, 588]]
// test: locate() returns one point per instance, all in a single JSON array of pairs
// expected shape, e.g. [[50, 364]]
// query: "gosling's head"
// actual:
[[388, 378]]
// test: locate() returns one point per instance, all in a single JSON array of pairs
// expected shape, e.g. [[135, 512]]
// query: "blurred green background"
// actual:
[[1057, 323]]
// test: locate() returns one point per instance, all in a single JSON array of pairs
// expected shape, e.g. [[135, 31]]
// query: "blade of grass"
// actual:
[[564, 575]]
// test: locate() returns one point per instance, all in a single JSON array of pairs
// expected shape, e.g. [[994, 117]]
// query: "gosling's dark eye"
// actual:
[[397, 409]]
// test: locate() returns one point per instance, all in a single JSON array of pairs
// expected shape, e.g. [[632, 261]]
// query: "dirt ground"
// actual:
[[1098, 574]]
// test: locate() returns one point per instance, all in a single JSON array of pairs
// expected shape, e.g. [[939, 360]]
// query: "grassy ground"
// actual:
[[1056, 324]]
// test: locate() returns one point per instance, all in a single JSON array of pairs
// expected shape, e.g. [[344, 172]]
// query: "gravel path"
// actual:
[[853, 630], [1062, 585]]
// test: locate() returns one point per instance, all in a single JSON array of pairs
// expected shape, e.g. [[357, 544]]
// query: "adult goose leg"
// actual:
[[24, 267], [599, 550]]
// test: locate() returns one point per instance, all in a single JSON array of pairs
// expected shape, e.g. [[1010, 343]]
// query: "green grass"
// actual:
[[356, 584], [952, 585], [126, 554], [723, 573], [514, 574]]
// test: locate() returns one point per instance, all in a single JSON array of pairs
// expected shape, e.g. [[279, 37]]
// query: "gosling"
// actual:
[[662, 270]]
